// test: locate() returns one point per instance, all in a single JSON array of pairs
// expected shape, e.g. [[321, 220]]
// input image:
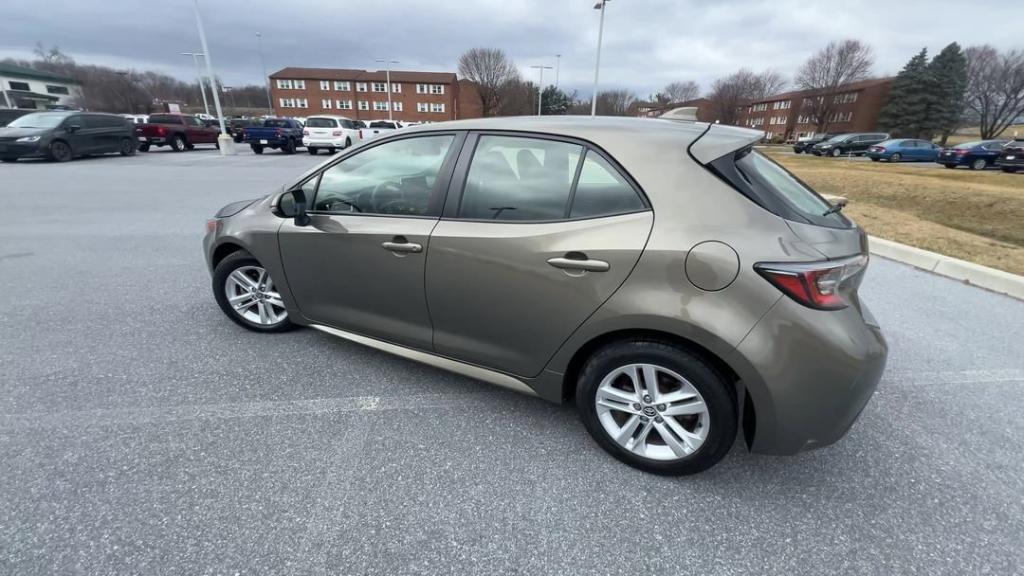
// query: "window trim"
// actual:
[[457, 187], [437, 196]]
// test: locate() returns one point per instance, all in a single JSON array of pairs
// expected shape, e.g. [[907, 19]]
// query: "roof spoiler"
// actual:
[[687, 113]]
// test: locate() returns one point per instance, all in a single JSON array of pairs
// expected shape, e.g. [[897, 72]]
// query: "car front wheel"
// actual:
[[836, 152], [178, 143], [979, 164], [60, 151], [657, 407], [245, 292]]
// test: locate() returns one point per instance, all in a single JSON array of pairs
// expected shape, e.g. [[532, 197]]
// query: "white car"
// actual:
[[330, 133]]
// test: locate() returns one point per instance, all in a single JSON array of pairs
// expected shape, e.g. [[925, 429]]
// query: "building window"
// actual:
[[379, 87], [360, 86], [380, 105], [344, 104], [395, 87], [326, 104], [437, 106], [422, 107], [437, 88], [50, 89], [342, 85], [325, 84], [287, 103], [19, 85], [397, 106], [300, 84], [284, 84], [363, 104], [291, 84], [421, 88], [845, 98]]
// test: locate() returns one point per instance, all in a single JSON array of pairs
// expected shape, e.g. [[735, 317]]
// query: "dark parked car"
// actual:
[[283, 133], [904, 149], [1012, 157], [855, 143], [802, 146], [179, 131], [237, 126], [975, 155], [61, 136]]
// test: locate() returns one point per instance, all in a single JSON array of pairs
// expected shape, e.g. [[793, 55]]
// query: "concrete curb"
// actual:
[[975, 274]]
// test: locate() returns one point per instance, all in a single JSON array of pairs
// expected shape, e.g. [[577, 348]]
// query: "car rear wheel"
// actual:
[[256, 148], [836, 152], [143, 147], [895, 157], [875, 159], [312, 151], [60, 151], [950, 166], [1009, 169], [178, 143], [657, 407], [289, 146], [348, 142], [127, 147], [979, 164], [245, 292]]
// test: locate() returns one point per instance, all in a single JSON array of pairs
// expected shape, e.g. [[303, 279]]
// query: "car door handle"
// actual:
[[579, 264], [402, 246]]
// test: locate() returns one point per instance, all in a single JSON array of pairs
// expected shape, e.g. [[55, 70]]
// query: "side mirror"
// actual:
[[292, 204]]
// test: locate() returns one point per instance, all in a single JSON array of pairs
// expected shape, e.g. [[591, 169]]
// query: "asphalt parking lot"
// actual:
[[141, 432]]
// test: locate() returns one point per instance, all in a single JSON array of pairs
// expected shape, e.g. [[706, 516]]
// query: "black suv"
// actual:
[[853, 143], [1012, 157], [61, 136], [801, 146]]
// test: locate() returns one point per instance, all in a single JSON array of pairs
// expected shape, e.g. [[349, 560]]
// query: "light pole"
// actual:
[[558, 62], [231, 95], [597, 65], [225, 142], [266, 79], [387, 67], [540, 86], [199, 73]]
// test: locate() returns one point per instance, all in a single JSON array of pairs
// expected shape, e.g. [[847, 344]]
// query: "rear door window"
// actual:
[[602, 191]]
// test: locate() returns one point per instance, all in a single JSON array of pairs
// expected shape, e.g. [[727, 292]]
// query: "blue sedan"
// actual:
[[903, 149], [975, 155]]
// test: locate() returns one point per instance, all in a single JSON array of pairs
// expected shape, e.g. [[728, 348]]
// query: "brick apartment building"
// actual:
[[781, 116], [363, 95]]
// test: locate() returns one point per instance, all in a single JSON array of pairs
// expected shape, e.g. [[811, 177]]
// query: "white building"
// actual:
[[22, 87]]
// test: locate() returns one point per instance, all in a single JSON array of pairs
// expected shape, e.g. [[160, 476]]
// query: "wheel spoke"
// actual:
[[692, 440], [639, 443], [678, 448], [261, 278], [242, 280], [696, 406], [264, 316], [626, 433], [610, 393], [651, 381], [275, 300], [684, 394]]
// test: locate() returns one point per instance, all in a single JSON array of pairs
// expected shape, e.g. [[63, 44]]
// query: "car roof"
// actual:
[[331, 116], [613, 131]]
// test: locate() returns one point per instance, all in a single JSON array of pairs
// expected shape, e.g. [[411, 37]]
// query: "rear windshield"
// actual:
[[321, 123], [275, 123], [164, 119], [776, 189], [381, 125]]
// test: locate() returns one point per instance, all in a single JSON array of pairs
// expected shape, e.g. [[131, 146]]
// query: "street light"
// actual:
[[225, 142], [597, 65], [231, 94], [558, 62], [266, 79], [387, 66], [199, 72], [540, 85]]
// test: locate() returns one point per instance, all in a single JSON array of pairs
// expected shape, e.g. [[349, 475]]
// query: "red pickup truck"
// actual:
[[179, 131]]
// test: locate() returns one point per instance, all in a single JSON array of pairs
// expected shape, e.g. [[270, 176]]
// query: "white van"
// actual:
[[330, 133]]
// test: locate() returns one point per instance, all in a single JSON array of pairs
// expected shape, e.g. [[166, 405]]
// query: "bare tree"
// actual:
[[995, 88], [769, 83], [731, 93], [827, 71], [516, 97], [614, 102], [681, 91], [491, 70]]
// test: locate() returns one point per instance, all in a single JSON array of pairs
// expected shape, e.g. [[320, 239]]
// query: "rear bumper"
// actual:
[[813, 373], [952, 160], [324, 142]]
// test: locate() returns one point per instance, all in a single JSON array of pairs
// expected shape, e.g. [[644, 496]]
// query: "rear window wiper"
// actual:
[[837, 207]]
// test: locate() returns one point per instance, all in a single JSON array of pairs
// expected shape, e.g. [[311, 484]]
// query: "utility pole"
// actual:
[[597, 65], [558, 62], [225, 142], [199, 74], [387, 65], [266, 79], [540, 86]]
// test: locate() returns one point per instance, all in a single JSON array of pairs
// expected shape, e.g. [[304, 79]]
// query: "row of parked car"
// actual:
[[64, 135], [1006, 154]]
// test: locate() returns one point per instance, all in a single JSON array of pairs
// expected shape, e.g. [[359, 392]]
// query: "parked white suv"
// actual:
[[330, 133]]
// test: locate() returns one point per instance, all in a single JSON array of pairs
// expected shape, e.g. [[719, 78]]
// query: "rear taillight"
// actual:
[[336, 133], [161, 130], [360, 134], [879, 149], [279, 131], [961, 151], [816, 284]]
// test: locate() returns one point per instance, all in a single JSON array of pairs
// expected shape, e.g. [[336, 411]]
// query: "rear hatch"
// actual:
[[321, 128]]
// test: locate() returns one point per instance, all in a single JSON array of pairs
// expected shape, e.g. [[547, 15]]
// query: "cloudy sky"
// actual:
[[647, 43]]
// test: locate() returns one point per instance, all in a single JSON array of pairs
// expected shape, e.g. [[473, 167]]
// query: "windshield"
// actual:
[[38, 120], [969, 144], [839, 138], [321, 123], [275, 123]]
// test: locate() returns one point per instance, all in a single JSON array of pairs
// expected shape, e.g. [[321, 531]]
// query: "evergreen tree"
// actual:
[[949, 71], [910, 100], [554, 102]]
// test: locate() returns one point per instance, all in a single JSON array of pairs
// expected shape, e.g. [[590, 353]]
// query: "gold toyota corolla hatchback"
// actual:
[[667, 277]]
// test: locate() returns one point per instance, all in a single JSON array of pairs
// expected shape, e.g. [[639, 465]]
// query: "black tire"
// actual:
[[220, 276], [178, 143], [256, 148], [348, 142], [798, 151], [875, 159], [238, 138], [332, 150], [8, 159], [950, 166], [979, 164], [836, 152], [1006, 169], [289, 146], [312, 150], [895, 157], [718, 394], [127, 147], [143, 147], [59, 151]]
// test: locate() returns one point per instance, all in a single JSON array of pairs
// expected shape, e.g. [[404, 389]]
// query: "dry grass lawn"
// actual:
[[975, 216]]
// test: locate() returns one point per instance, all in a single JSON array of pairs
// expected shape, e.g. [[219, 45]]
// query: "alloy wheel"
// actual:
[[979, 164], [652, 412], [251, 294]]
